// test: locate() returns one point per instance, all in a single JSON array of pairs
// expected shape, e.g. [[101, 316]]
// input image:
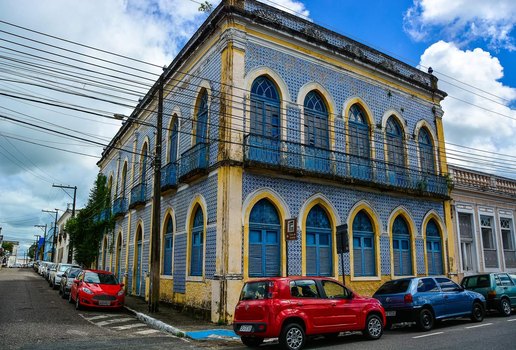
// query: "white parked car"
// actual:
[[54, 279]]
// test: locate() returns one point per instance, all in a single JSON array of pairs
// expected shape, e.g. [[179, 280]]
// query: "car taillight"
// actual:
[[273, 290], [407, 299], [491, 294]]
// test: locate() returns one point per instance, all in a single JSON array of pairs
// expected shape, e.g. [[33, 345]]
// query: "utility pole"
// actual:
[[156, 208], [54, 236], [44, 238], [70, 246]]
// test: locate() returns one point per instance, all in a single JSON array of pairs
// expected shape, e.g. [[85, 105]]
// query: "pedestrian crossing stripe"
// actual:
[[129, 326], [147, 331]]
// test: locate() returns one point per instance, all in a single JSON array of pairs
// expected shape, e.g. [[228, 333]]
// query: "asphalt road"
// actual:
[[33, 316]]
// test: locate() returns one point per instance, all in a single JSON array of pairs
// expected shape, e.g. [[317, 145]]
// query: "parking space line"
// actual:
[[116, 320], [512, 319], [479, 325], [427, 335], [99, 317], [147, 331], [129, 326]]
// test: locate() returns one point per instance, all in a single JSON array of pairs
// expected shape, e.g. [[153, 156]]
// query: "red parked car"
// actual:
[[293, 308], [97, 288]]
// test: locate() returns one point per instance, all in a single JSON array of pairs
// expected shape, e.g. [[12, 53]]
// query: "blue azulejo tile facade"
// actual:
[[255, 131]]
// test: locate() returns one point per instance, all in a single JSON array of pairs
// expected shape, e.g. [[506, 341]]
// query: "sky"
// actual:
[[470, 44]]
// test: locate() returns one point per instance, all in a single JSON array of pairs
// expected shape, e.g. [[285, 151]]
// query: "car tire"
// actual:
[[77, 302], [252, 342], [425, 320], [477, 313], [70, 300], [505, 307], [373, 327], [292, 336]]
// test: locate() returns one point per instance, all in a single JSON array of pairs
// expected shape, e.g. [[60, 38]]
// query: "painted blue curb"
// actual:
[[212, 334]]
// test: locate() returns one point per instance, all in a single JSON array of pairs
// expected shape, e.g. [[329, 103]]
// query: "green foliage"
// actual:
[[206, 7], [88, 227], [32, 248], [8, 246]]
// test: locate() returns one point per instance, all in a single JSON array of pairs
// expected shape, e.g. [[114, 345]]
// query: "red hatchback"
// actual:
[[96, 288], [292, 308]]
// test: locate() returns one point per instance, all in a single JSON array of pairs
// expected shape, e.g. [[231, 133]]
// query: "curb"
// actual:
[[156, 324]]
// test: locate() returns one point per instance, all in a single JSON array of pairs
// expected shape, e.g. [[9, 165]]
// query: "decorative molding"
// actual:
[[267, 15]]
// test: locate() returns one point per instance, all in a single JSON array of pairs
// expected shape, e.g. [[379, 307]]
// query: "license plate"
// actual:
[[104, 302], [246, 328], [390, 313]]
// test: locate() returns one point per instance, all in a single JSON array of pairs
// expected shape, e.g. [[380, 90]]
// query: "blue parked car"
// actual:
[[424, 300]]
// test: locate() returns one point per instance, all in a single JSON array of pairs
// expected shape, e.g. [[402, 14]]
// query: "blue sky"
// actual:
[[472, 41]]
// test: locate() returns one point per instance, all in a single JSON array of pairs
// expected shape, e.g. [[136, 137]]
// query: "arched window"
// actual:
[[144, 162], [197, 243], [173, 142], [363, 245], [202, 118], [401, 247], [319, 257], [123, 183], [426, 151], [434, 249], [139, 281], [118, 259], [264, 240], [265, 136], [359, 145], [168, 241], [395, 151], [316, 133]]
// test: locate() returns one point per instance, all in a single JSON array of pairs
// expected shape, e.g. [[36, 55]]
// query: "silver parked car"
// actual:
[[67, 280], [55, 274]]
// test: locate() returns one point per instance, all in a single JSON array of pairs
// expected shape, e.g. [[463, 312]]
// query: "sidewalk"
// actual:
[[179, 323]]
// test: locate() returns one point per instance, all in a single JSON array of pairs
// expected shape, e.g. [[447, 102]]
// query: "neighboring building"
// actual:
[[268, 117], [11, 261], [484, 207], [64, 255]]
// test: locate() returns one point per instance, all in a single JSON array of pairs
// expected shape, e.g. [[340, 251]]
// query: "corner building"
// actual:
[[269, 117]]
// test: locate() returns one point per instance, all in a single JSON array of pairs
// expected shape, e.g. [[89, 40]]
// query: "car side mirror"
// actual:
[[76, 281]]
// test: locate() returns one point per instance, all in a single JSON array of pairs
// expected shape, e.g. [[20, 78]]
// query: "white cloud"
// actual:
[[482, 120], [463, 21]]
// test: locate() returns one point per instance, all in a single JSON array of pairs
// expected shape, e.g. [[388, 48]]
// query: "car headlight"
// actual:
[[120, 293], [87, 290]]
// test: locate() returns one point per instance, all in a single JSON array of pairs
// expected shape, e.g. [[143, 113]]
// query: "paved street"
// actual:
[[33, 316]]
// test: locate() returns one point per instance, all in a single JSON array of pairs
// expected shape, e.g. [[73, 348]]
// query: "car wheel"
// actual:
[[251, 342], [425, 320], [477, 314], [505, 307], [374, 327], [292, 336], [77, 302], [70, 300]]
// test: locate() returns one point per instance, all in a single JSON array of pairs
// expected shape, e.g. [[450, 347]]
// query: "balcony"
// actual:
[[297, 159], [194, 162], [138, 196], [102, 216], [119, 206], [169, 177]]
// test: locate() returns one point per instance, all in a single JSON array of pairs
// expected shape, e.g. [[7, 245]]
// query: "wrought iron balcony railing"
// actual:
[[138, 195], [194, 161], [300, 159], [119, 206], [169, 176]]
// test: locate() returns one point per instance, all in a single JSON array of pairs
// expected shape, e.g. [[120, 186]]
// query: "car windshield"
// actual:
[[74, 272], [255, 290], [101, 278], [63, 268], [393, 287], [480, 281]]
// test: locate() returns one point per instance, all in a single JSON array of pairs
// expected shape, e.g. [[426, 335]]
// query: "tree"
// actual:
[[8, 246], [205, 7], [88, 227], [32, 248]]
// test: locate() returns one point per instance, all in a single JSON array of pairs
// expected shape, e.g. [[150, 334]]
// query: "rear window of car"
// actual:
[[63, 268], [393, 287], [255, 290], [480, 281]]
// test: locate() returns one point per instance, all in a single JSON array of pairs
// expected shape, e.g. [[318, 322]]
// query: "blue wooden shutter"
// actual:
[[364, 252], [402, 249], [197, 244], [264, 241], [319, 257]]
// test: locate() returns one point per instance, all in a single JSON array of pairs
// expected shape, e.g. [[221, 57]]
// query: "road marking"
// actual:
[[512, 319], [147, 331], [427, 335], [129, 326], [117, 320], [480, 325], [95, 317]]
